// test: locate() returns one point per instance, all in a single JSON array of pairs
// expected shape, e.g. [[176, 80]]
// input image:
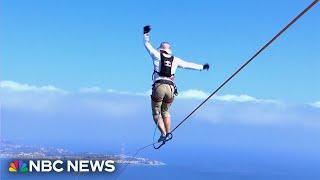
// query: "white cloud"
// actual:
[[19, 87], [193, 94], [260, 114], [94, 89], [110, 103], [198, 94], [237, 98], [30, 97], [187, 94], [315, 104], [97, 89]]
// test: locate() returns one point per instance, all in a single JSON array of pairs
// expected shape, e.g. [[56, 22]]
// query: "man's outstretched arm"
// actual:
[[189, 65], [152, 51]]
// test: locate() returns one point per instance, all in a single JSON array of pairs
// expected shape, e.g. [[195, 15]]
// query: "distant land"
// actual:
[[9, 150]]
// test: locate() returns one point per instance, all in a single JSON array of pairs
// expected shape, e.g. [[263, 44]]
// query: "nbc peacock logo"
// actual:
[[18, 166]]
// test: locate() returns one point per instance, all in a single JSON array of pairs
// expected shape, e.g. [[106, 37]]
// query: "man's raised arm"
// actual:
[[147, 44]]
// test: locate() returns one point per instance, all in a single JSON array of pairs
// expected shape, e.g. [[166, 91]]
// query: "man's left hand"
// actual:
[[206, 66]]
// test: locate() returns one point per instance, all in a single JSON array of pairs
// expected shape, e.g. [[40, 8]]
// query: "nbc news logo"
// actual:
[[19, 166]]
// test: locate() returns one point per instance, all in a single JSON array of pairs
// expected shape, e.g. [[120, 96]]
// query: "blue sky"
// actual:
[[74, 44]]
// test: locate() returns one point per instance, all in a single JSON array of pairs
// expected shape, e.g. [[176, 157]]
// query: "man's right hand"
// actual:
[[146, 29]]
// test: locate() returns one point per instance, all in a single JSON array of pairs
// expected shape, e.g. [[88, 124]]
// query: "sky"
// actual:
[[78, 44], [75, 75]]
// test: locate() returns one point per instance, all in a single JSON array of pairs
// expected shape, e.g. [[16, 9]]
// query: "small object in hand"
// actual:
[[146, 29], [206, 66]]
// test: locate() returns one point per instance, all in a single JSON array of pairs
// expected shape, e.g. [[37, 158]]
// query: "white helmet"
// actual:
[[165, 46]]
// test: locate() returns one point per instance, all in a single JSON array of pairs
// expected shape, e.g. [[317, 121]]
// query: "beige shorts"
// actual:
[[161, 99]]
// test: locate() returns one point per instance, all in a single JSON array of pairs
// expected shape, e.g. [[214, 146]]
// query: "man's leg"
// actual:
[[167, 124], [161, 125], [168, 99], [166, 116], [156, 111]]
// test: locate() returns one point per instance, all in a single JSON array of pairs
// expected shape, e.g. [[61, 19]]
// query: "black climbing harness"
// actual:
[[164, 81]]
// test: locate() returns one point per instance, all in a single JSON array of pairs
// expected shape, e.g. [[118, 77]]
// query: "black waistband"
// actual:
[[156, 72], [163, 81]]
